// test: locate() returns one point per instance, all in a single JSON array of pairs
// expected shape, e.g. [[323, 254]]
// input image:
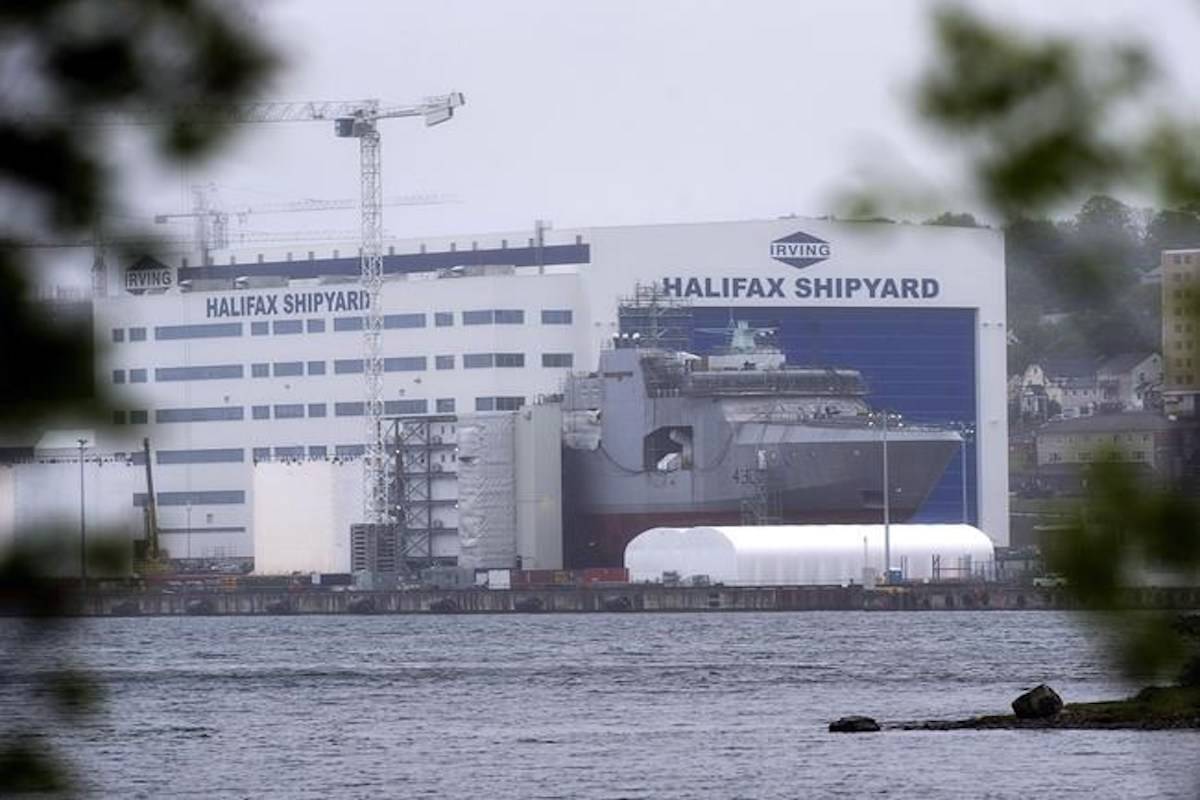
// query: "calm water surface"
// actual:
[[606, 706]]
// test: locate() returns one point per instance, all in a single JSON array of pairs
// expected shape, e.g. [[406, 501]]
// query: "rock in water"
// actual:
[[854, 724], [1039, 702]]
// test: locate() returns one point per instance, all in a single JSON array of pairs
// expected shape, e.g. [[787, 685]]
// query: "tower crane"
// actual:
[[351, 120]]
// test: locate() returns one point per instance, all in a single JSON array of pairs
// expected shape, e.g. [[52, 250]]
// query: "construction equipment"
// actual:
[[152, 557]]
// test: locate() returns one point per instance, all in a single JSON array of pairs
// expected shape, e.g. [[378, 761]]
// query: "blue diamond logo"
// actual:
[[800, 250]]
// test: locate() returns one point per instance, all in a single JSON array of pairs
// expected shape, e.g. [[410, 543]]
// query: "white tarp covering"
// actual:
[[487, 511], [302, 515], [805, 554]]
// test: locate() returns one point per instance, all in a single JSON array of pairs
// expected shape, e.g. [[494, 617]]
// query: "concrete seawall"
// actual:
[[629, 598]]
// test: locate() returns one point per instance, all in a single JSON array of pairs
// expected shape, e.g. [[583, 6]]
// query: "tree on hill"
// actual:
[[951, 219], [1039, 117]]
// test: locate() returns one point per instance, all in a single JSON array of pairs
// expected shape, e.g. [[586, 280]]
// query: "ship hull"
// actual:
[[814, 482]]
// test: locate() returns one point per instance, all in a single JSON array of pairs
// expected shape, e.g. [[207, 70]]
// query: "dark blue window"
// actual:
[[260, 328], [316, 409], [443, 319], [405, 406], [318, 451], [347, 366], [209, 456], [260, 370], [478, 360], [209, 498], [213, 414], [316, 326], [138, 417], [445, 405], [349, 450], [137, 334], [404, 364], [289, 411], [509, 316], [316, 368], [286, 369], [289, 452], [262, 454], [444, 362], [347, 323], [204, 373], [557, 316], [285, 326], [137, 376], [209, 331], [510, 359], [404, 321], [483, 317], [118, 334], [558, 360], [260, 412], [348, 409], [118, 376]]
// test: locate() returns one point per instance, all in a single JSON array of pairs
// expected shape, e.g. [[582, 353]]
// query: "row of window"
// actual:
[[342, 366], [442, 405], [220, 497], [441, 319]]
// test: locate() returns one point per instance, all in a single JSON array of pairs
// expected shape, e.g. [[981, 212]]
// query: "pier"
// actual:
[[624, 598]]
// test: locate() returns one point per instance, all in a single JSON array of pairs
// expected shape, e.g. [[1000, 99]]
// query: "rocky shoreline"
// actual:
[[1155, 708]]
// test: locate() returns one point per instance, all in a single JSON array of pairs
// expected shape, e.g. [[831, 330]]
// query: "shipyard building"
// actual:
[[257, 359]]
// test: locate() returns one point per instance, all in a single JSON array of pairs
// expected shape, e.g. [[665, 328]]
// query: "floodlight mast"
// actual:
[[362, 125]]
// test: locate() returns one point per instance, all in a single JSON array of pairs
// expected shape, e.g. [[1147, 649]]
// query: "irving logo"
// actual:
[[800, 250]]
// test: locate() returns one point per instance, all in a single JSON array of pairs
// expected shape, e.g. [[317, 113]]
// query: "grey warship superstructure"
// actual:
[[661, 438]]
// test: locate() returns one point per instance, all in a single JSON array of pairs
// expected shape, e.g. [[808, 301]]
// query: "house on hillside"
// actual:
[[1059, 386], [1149, 441], [1080, 387], [1130, 382]]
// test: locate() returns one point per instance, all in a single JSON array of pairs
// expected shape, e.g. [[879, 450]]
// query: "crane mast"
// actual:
[[374, 461]]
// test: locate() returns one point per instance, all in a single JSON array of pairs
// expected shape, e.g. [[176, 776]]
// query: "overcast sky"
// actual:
[[615, 111]]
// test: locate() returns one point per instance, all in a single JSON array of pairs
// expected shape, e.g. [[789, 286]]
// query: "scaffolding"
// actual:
[[661, 321], [373, 549], [416, 474], [762, 504]]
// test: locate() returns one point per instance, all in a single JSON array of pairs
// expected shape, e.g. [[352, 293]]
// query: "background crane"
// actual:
[[212, 220]]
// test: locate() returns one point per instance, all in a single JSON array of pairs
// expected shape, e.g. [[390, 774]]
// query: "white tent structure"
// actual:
[[800, 555]]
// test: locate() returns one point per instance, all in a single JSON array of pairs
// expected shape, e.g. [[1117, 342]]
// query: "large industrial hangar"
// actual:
[[258, 356]]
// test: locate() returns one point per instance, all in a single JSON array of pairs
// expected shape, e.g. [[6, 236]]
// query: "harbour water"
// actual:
[[601, 705]]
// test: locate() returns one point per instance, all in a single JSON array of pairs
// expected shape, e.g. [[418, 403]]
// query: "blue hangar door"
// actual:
[[919, 362]]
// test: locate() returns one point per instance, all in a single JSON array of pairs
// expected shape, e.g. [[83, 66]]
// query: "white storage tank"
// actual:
[[801, 555]]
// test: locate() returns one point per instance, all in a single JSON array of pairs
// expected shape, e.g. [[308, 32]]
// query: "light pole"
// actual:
[[966, 430], [886, 417], [82, 522], [887, 506]]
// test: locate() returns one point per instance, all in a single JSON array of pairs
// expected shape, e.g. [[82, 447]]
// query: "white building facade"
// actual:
[[224, 364]]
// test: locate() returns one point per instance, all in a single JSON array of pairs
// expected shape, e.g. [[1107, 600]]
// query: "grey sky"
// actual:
[[615, 111]]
